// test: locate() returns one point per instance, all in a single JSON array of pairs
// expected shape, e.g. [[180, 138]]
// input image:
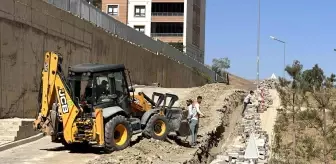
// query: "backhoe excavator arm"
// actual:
[[54, 89]]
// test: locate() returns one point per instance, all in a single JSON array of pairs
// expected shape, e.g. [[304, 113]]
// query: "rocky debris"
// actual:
[[217, 100], [269, 83], [263, 96], [251, 145]]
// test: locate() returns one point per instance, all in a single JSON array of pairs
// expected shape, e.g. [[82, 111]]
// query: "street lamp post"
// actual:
[[273, 38], [258, 43]]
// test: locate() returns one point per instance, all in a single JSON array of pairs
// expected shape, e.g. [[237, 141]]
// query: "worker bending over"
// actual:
[[247, 100], [193, 117]]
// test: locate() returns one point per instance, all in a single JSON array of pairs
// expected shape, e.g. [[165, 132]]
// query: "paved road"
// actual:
[[43, 151]]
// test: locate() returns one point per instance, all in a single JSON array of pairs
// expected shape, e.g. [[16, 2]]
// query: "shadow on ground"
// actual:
[[93, 149], [78, 148]]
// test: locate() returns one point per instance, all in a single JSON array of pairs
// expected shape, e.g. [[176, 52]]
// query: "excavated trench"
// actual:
[[230, 117], [219, 106]]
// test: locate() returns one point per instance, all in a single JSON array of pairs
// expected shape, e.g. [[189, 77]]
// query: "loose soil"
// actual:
[[173, 150]]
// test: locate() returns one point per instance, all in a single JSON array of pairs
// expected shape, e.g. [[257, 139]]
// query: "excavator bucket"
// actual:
[[165, 102], [173, 114], [176, 116]]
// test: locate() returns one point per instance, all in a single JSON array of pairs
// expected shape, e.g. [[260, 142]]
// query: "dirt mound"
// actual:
[[241, 83], [172, 151], [210, 94]]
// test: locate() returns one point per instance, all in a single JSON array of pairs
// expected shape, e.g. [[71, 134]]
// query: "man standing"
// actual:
[[247, 100], [188, 102], [193, 117]]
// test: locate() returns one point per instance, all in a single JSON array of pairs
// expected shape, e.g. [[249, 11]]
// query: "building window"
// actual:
[[140, 28], [139, 11], [112, 9]]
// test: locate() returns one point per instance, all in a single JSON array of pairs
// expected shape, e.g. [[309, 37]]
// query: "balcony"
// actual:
[[165, 1], [167, 32], [167, 12]]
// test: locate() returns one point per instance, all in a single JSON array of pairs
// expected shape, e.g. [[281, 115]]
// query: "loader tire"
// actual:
[[118, 133], [157, 127]]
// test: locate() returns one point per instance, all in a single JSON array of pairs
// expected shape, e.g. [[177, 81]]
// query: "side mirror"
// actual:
[[77, 99], [131, 89]]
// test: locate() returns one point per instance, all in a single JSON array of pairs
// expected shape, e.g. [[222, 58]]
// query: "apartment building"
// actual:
[[180, 23]]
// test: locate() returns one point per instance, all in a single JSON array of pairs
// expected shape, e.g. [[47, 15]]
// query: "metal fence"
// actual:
[[167, 14], [166, 34], [92, 14]]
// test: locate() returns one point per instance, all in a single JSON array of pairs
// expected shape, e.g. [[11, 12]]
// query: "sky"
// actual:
[[307, 26]]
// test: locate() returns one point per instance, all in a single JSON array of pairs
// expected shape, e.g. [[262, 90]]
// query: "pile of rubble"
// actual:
[[251, 146], [263, 99], [269, 83], [263, 96]]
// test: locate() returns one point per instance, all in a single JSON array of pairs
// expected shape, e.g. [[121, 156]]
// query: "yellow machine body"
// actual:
[[54, 90]]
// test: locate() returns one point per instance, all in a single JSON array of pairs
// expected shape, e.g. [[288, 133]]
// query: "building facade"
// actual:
[[180, 23]]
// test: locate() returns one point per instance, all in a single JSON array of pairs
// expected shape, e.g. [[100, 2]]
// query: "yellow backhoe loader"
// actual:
[[93, 104]]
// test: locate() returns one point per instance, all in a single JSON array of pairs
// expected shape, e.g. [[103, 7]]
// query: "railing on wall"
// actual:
[[92, 14], [167, 14], [166, 34]]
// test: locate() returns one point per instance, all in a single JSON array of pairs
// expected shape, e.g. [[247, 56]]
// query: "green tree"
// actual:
[[295, 72], [331, 81], [313, 78], [322, 117], [178, 45], [220, 65], [319, 115]]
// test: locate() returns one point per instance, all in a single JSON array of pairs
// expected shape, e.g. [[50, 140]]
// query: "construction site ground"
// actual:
[[267, 118], [144, 150]]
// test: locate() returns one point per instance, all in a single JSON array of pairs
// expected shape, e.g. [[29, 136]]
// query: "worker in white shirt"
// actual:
[[193, 117], [247, 100]]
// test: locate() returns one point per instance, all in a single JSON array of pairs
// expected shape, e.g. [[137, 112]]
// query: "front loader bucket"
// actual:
[[174, 117], [173, 114], [184, 129]]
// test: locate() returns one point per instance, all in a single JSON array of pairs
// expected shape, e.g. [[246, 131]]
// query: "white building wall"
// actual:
[[202, 34], [192, 50], [140, 21], [185, 23]]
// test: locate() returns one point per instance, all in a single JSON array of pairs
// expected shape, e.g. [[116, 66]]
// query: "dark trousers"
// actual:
[[244, 107]]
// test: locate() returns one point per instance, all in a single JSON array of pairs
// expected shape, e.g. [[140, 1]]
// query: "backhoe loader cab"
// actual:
[[105, 87], [100, 86]]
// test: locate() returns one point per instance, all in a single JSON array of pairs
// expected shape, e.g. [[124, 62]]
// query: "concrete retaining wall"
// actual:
[[28, 28]]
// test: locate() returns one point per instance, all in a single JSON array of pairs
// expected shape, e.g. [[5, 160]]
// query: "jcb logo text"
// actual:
[[63, 101]]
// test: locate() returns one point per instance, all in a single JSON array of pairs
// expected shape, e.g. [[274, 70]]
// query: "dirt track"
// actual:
[[268, 117], [141, 150], [152, 151]]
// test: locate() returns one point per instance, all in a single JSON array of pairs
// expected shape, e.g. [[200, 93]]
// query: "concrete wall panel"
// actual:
[[39, 27]]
